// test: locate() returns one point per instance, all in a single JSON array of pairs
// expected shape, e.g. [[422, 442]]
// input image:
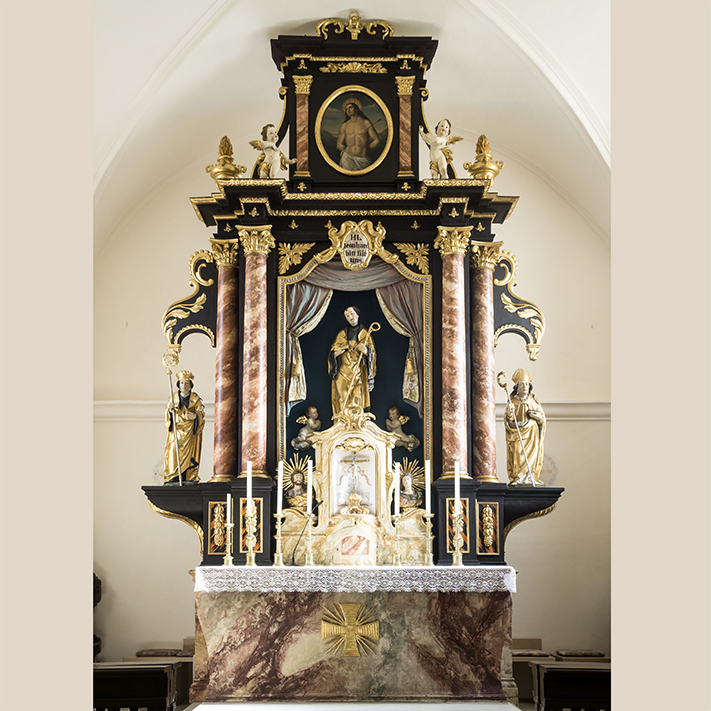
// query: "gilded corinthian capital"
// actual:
[[225, 251], [302, 83], [452, 240], [257, 239], [485, 255], [404, 85]]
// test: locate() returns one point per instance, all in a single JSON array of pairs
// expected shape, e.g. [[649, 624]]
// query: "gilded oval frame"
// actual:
[[353, 88]]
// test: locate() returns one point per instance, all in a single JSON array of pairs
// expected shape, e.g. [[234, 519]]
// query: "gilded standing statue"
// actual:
[[185, 421], [352, 364], [525, 424]]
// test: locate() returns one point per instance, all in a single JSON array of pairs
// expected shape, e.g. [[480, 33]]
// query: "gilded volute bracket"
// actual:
[[257, 240], [356, 243], [225, 252], [452, 240]]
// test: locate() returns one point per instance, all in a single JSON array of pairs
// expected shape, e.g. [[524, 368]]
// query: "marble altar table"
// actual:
[[315, 634]]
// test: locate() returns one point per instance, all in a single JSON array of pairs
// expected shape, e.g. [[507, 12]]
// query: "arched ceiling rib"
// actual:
[[173, 76]]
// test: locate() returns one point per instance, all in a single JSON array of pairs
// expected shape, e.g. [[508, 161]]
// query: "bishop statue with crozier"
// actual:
[[352, 364]]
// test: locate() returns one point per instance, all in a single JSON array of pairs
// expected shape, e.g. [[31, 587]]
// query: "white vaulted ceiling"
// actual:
[[173, 76]]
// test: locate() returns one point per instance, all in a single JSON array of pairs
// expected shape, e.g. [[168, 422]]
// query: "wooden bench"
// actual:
[[571, 685], [134, 685]]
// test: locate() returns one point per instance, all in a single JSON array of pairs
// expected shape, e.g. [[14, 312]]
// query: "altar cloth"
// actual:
[[384, 578]]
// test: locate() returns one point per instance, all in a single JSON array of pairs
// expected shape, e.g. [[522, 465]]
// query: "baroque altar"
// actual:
[[354, 308]]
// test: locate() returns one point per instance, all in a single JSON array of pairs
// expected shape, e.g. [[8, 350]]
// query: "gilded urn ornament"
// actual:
[[484, 167], [225, 168]]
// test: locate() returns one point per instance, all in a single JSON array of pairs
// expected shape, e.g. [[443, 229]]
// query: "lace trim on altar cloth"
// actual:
[[479, 579]]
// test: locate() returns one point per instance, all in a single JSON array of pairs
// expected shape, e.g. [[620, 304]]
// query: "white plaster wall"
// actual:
[[143, 558]]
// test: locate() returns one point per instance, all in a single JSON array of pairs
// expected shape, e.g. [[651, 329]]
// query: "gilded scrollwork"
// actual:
[[354, 26], [361, 239], [354, 68], [416, 254], [532, 324], [182, 309], [292, 255]]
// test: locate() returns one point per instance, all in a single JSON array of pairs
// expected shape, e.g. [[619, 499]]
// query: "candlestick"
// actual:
[[457, 500], [397, 558], [278, 556], [228, 509], [280, 485], [229, 535], [397, 488], [251, 523], [309, 541], [428, 491], [249, 487], [429, 558], [309, 485]]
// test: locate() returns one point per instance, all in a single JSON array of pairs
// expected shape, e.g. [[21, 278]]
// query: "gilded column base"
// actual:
[[489, 479], [220, 478]]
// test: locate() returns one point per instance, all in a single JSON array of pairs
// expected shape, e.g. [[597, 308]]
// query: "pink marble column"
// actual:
[[404, 90], [256, 242], [227, 360], [302, 88], [452, 243], [483, 379]]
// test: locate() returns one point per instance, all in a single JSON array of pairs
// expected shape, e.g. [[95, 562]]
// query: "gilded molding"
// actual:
[[302, 83], [485, 255], [354, 26], [257, 239], [452, 240], [404, 85], [353, 418], [226, 252], [184, 519], [292, 255], [416, 255], [354, 68]]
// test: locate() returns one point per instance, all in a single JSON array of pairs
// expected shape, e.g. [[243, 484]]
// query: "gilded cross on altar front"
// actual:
[[350, 629]]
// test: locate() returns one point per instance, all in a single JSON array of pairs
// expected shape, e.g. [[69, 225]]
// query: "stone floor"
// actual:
[[280, 706]]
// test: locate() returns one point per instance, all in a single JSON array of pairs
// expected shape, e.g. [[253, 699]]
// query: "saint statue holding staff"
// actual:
[[352, 364]]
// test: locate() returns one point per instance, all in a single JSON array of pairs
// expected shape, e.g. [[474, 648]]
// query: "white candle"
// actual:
[[428, 492], [249, 488], [280, 485], [397, 488], [229, 508], [457, 499], [309, 478]]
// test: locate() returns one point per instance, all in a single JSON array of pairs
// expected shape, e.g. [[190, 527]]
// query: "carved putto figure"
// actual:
[[184, 420], [272, 159], [525, 425], [311, 424], [394, 424], [440, 153]]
